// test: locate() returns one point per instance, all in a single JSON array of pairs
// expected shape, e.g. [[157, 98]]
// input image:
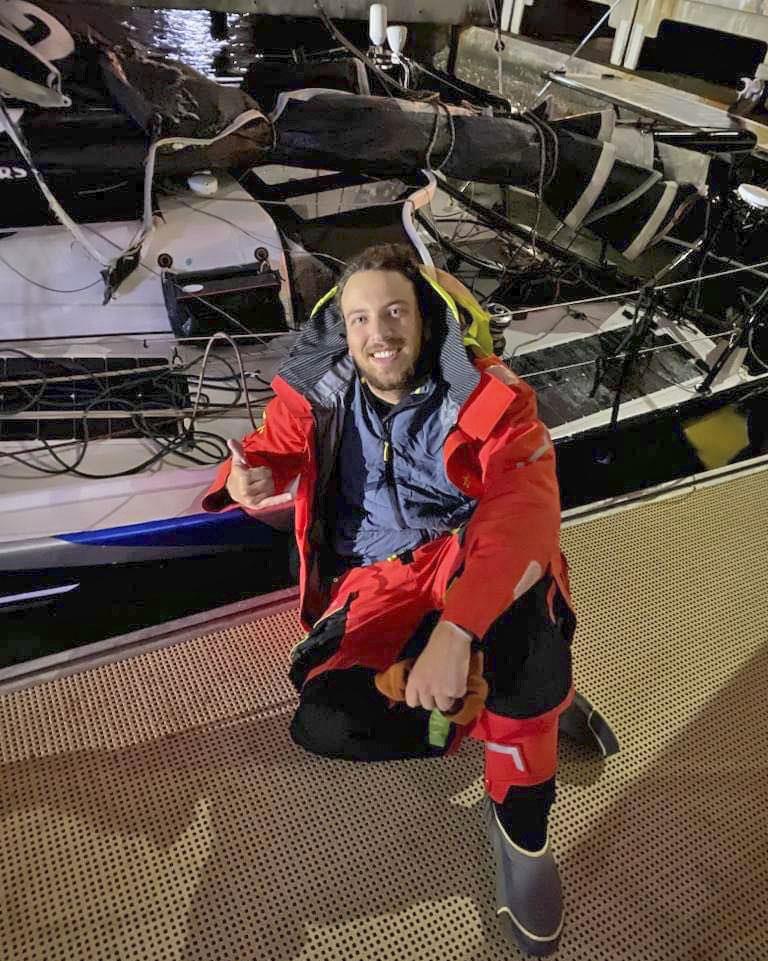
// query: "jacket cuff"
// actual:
[[468, 634], [473, 615]]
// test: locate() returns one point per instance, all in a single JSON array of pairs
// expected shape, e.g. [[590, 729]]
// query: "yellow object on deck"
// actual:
[[718, 436]]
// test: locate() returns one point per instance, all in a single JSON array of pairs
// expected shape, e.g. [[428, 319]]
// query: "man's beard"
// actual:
[[405, 380]]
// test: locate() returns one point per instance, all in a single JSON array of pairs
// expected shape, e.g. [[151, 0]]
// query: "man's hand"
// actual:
[[439, 676], [251, 486]]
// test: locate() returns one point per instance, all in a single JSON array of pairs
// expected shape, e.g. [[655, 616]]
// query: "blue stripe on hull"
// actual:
[[196, 530]]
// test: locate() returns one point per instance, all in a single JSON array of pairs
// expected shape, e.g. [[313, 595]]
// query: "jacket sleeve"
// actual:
[[514, 532], [280, 443]]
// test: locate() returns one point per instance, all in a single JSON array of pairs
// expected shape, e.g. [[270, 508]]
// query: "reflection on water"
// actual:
[[224, 44], [189, 36]]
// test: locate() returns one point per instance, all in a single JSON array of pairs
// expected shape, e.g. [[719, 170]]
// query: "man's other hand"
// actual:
[[251, 487], [439, 676]]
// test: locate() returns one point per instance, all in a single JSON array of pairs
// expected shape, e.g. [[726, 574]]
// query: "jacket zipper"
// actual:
[[389, 473]]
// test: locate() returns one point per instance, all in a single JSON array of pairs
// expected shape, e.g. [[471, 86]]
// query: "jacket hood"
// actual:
[[319, 365]]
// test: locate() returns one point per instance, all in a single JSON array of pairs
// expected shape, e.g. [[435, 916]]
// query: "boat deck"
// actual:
[[156, 808]]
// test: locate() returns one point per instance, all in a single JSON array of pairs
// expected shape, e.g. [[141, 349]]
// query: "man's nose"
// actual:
[[383, 327]]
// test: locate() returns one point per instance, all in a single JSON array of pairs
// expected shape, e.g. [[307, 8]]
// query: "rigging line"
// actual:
[[471, 199], [356, 52], [102, 190], [17, 138], [447, 245], [285, 203], [416, 66], [586, 39], [158, 337], [179, 194], [544, 333], [438, 105], [98, 376], [722, 273], [494, 12], [209, 410], [73, 378]]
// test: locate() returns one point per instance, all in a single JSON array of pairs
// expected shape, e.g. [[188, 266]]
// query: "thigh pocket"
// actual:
[[322, 641]]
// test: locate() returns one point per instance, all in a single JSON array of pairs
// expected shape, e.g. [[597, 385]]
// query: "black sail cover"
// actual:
[[628, 203], [385, 136]]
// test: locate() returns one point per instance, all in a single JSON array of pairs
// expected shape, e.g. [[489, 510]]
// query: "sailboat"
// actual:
[[163, 237]]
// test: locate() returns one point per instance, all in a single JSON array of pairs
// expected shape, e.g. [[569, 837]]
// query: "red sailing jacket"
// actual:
[[498, 452]]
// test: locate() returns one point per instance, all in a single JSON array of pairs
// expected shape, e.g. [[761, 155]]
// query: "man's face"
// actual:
[[384, 330]]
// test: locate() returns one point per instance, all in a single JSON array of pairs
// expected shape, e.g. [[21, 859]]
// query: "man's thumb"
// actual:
[[238, 454]]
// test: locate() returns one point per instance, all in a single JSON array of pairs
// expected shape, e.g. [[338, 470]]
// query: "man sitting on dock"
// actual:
[[433, 588]]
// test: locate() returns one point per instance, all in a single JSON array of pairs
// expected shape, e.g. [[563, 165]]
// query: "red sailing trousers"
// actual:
[[384, 612]]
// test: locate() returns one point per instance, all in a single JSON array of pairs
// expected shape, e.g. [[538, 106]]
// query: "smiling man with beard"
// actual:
[[433, 588]]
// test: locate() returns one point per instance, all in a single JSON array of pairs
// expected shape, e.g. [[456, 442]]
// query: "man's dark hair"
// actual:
[[396, 257]]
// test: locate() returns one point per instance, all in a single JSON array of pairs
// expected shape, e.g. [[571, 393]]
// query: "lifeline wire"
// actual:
[[508, 314], [645, 350], [574, 303], [622, 294]]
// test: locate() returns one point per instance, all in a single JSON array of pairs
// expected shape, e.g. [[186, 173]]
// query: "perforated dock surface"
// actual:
[[156, 809]]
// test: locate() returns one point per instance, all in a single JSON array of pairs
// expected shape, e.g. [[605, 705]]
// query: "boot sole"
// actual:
[[528, 943]]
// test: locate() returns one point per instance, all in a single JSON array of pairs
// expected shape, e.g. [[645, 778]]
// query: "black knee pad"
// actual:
[[341, 714], [322, 729]]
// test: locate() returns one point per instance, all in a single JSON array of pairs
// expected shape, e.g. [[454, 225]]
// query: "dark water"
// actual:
[[223, 45], [191, 36]]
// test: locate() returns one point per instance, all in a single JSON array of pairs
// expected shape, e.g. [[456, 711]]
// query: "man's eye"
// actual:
[[396, 311]]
